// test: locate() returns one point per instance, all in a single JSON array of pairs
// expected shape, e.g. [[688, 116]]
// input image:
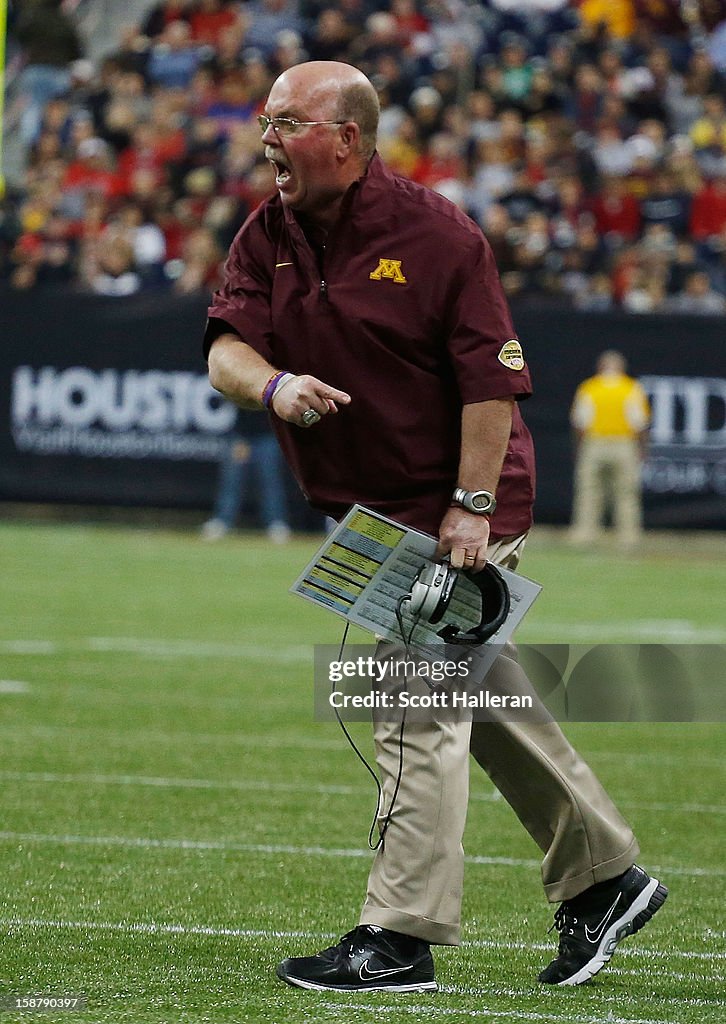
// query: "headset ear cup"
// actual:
[[495, 606], [431, 591], [422, 601]]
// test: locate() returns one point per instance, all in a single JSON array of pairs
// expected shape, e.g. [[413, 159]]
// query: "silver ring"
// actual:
[[309, 417]]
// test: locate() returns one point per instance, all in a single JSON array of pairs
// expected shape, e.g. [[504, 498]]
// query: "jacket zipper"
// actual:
[[323, 282]]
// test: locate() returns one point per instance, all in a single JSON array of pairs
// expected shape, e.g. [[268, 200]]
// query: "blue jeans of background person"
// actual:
[[258, 456], [37, 84]]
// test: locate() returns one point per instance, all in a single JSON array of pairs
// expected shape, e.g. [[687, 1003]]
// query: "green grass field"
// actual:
[[174, 822]]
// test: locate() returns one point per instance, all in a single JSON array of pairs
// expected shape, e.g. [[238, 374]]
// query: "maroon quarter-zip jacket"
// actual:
[[402, 307]]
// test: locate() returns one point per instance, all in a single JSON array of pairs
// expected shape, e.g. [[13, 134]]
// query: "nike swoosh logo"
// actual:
[[365, 974], [595, 934], [282, 265]]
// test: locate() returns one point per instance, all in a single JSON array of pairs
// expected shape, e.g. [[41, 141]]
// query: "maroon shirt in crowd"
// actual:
[[403, 309]]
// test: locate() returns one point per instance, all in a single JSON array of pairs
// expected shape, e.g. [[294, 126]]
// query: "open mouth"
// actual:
[[282, 173]]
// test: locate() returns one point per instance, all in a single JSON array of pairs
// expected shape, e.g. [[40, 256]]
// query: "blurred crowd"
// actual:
[[588, 139]]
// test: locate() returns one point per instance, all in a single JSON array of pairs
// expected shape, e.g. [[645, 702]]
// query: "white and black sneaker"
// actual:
[[593, 923], [367, 959]]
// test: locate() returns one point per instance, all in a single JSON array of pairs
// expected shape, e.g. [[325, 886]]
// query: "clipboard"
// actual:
[[368, 562]]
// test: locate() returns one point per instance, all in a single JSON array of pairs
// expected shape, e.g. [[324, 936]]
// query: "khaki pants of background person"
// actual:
[[607, 473], [415, 883]]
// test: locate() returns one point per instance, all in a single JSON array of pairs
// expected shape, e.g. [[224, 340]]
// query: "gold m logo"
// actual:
[[390, 269]]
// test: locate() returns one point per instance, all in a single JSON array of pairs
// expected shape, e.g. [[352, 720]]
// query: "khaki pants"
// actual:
[[415, 883], [607, 473]]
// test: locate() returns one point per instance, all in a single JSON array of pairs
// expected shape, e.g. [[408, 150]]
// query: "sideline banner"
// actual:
[[3, 30], [106, 401], [681, 364]]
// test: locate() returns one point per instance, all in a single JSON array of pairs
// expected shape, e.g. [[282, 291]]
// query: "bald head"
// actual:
[[611, 362], [340, 92]]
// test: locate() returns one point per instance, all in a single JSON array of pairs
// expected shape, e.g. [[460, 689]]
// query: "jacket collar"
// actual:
[[359, 198]]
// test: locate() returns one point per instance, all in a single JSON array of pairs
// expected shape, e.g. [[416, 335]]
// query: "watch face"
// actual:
[[481, 501]]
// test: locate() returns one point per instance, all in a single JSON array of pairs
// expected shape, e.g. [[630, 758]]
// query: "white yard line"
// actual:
[[261, 785], [13, 686], [638, 951], [160, 648], [677, 808], [668, 631], [151, 843], [665, 631], [28, 647], [654, 756], [427, 1010], [690, 978], [197, 648], [166, 928], [143, 738], [158, 928], [621, 997], [147, 842], [331, 741], [164, 782], [161, 782]]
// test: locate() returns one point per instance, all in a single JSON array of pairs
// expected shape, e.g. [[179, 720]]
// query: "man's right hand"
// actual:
[[241, 375], [303, 393]]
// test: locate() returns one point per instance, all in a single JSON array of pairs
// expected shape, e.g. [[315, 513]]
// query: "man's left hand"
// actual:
[[464, 537]]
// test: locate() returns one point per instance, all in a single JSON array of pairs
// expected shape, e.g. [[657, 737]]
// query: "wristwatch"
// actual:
[[481, 503]]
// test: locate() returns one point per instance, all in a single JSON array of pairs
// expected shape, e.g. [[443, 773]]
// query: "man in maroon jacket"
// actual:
[[365, 312]]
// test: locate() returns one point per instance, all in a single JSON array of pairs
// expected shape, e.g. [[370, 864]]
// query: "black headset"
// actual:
[[433, 588]]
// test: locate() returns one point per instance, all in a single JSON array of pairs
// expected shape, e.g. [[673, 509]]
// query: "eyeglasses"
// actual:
[[287, 125]]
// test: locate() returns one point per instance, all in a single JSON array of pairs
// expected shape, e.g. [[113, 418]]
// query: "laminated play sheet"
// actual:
[[368, 562]]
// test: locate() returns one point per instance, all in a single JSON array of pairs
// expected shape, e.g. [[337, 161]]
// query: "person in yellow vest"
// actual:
[[610, 416]]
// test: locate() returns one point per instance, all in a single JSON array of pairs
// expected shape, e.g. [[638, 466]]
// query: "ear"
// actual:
[[348, 140]]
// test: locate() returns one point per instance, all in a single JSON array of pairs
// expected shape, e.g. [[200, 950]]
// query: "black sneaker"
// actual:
[[367, 959], [593, 923]]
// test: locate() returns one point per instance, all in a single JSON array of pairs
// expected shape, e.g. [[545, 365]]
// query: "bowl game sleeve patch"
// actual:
[[511, 355]]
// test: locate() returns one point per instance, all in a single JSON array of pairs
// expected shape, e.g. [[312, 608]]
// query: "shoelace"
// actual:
[[340, 948], [563, 922], [355, 944], [354, 941], [348, 945]]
